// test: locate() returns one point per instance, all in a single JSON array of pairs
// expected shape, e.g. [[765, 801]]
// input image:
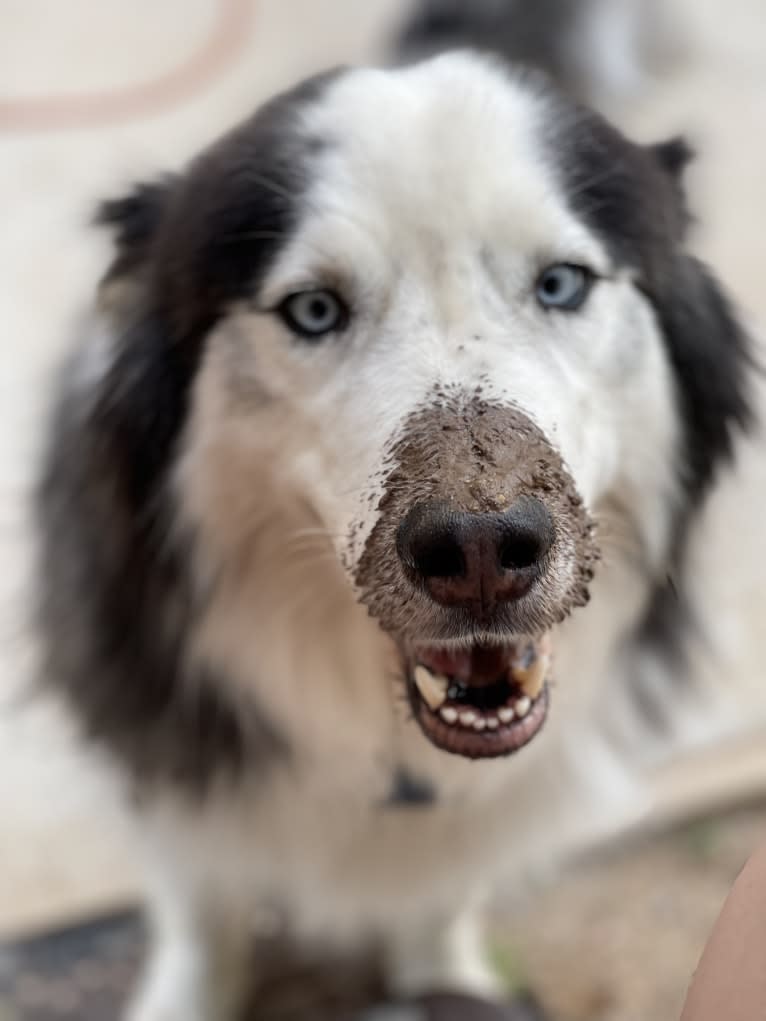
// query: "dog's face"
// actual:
[[451, 368], [443, 323]]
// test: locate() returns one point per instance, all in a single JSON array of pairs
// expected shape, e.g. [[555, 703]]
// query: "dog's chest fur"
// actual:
[[364, 824]]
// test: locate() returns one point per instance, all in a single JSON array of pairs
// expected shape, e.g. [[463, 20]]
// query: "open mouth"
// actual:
[[483, 701]]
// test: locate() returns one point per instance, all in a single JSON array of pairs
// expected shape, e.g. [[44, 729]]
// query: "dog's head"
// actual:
[[443, 322]]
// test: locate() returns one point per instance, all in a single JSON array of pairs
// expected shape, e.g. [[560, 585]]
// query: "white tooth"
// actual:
[[506, 714], [522, 707], [449, 715], [467, 718], [480, 724], [432, 687], [492, 722]]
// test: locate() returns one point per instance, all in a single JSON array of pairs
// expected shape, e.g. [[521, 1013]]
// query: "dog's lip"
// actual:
[[480, 701], [486, 744]]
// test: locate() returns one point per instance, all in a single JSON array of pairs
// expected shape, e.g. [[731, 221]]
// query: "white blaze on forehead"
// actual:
[[433, 207], [449, 152]]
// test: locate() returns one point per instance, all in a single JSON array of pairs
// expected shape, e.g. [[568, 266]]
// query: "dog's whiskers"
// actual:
[[591, 182]]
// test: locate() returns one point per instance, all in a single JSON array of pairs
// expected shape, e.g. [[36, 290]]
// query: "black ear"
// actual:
[[116, 603], [712, 360], [135, 220], [673, 155], [140, 405], [713, 363]]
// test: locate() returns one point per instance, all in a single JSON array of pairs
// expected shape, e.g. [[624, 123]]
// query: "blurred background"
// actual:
[[95, 94]]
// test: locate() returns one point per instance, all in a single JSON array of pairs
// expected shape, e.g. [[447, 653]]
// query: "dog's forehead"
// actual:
[[453, 146], [457, 110]]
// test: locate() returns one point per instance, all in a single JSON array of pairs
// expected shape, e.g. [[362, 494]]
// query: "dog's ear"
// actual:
[[135, 217], [713, 363], [674, 155], [134, 220], [712, 360], [115, 602], [138, 402]]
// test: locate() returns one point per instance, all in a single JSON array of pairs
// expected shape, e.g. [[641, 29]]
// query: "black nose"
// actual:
[[475, 560]]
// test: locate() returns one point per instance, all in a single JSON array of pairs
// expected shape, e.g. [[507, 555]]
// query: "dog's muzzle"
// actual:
[[481, 547]]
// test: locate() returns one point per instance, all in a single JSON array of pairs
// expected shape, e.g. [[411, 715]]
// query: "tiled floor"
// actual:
[[59, 845]]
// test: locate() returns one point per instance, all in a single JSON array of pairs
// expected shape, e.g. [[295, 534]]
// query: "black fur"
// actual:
[[537, 34], [135, 219], [117, 605]]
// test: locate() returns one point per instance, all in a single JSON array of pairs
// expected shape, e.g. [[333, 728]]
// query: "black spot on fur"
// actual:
[[633, 198], [410, 791], [117, 606]]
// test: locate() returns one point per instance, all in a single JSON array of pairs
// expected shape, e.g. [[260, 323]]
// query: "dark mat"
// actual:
[[86, 973]]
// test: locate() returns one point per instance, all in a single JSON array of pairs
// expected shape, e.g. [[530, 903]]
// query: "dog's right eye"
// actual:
[[313, 314]]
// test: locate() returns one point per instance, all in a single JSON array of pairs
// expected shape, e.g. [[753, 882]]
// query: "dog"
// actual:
[[372, 473]]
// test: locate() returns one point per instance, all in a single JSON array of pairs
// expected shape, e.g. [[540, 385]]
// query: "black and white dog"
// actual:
[[393, 420]]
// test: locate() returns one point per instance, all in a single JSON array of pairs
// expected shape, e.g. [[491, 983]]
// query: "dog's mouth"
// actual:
[[482, 701]]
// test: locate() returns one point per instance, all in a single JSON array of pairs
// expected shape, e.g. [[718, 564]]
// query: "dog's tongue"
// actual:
[[478, 665]]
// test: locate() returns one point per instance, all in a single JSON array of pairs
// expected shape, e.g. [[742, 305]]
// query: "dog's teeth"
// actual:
[[480, 723], [449, 715], [432, 688], [492, 722], [532, 679], [467, 718], [506, 714], [522, 707]]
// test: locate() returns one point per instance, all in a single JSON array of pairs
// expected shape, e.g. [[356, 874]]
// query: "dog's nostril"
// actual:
[[526, 535], [519, 552], [438, 557]]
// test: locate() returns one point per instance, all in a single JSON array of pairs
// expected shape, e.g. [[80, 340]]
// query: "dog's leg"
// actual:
[[442, 955], [198, 963]]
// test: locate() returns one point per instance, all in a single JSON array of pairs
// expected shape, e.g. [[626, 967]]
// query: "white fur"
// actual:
[[432, 211]]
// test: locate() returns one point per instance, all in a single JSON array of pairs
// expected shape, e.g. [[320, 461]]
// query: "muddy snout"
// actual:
[[480, 529], [475, 561]]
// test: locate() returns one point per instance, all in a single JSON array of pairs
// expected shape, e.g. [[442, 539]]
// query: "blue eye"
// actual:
[[564, 287], [312, 314]]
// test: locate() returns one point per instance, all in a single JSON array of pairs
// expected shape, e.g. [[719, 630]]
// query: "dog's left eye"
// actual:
[[312, 314], [564, 286]]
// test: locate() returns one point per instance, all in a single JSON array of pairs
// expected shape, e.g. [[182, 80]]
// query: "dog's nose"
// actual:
[[475, 561]]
